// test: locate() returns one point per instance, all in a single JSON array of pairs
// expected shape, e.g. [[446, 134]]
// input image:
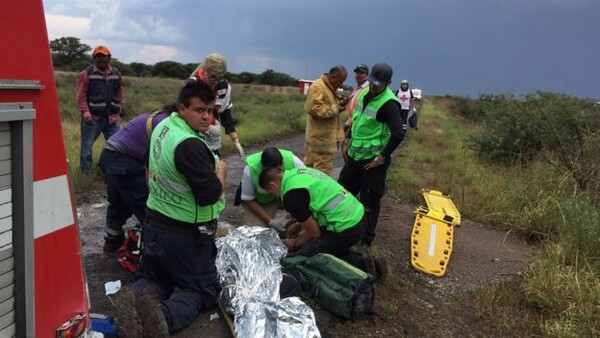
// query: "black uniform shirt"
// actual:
[[194, 161], [296, 202]]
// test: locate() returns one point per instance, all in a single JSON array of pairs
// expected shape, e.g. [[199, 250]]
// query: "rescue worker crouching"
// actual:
[[330, 219], [177, 264], [123, 165], [260, 207]]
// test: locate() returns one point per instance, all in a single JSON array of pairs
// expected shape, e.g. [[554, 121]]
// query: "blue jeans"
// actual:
[[89, 135], [126, 189]]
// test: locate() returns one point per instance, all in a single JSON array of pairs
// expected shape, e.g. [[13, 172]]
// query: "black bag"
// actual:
[[335, 284], [412, 121], [237, 200]]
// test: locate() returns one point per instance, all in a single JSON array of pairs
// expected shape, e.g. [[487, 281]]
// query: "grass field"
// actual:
[[559, 294], [261, 113]]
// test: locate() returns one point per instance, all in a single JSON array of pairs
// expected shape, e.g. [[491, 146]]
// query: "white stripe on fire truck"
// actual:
[[51, 205]]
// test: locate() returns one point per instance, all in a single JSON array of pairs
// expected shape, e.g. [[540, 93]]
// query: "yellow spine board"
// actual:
[[228, 319], [431, 245], [433, 233], [442, 204]]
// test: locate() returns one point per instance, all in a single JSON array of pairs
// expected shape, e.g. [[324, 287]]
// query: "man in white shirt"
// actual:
[[405, 97], [260, 207]]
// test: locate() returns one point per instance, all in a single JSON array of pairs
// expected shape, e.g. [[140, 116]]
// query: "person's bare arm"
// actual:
[[310, 232], [222, 173], [258, 211]]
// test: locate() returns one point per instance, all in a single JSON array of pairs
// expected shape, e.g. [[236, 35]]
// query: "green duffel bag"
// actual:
[[335, 284]]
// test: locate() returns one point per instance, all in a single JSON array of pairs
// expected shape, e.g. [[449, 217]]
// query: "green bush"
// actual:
[[560, 293], [508, 134], [480, 109], [559, 129]]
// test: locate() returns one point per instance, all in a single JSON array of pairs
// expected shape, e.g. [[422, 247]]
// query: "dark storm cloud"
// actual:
[[457, 47], [464, 47]]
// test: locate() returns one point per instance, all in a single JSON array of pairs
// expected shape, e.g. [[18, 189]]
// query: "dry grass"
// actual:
[[261, 114], [560, 294]]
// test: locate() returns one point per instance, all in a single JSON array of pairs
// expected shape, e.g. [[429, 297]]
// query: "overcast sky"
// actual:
[[464, 47]]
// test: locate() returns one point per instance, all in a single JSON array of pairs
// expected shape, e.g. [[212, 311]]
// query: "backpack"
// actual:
[[128, 255], [336, 285], [412, 121]]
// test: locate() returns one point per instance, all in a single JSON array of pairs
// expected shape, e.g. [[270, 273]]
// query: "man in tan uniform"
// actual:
[[323, 128]]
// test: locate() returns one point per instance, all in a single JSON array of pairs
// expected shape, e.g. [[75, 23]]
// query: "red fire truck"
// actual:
[[43, 291]]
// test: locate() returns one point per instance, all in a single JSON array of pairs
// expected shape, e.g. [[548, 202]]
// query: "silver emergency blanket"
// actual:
[[250, 275]]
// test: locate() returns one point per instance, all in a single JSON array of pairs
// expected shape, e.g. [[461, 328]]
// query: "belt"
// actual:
[[161, 221]]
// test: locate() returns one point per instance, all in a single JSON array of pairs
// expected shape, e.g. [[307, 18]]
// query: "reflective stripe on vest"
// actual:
[[102, 94], [334, 208], [369, 136]]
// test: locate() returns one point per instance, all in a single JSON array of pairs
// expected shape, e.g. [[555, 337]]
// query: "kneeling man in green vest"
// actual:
[[260, 206], [330, 219]]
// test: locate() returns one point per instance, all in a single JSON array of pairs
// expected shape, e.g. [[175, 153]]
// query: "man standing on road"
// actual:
[[123, 165], [177, 264], [100, 101], [330, 219], [213, 70], [260, 206], [405, 97], [323, 129], [374, 135], [360, 74]]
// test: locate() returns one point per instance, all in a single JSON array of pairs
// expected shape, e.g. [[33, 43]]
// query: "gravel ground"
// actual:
[[481, 256]]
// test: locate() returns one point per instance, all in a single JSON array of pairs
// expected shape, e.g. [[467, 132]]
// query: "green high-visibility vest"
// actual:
[[169, 192], [369, 136], [332, 206], [255, 165]]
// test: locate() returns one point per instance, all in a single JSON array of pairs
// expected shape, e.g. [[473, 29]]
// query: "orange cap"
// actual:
[[101, 50]]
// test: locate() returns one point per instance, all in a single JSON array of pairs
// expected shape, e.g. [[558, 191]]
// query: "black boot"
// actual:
[[112, 243]]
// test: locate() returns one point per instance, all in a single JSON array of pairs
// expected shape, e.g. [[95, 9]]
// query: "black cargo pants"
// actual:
[[368, 186], [177, 267]]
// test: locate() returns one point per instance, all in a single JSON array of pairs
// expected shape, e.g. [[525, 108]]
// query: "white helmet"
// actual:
[[403, 82]]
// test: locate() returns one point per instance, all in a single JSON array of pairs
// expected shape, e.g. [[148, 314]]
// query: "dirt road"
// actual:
[[407, 304]]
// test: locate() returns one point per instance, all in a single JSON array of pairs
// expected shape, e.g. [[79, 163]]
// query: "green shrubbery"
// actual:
[[529, 164], [560, 130]]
